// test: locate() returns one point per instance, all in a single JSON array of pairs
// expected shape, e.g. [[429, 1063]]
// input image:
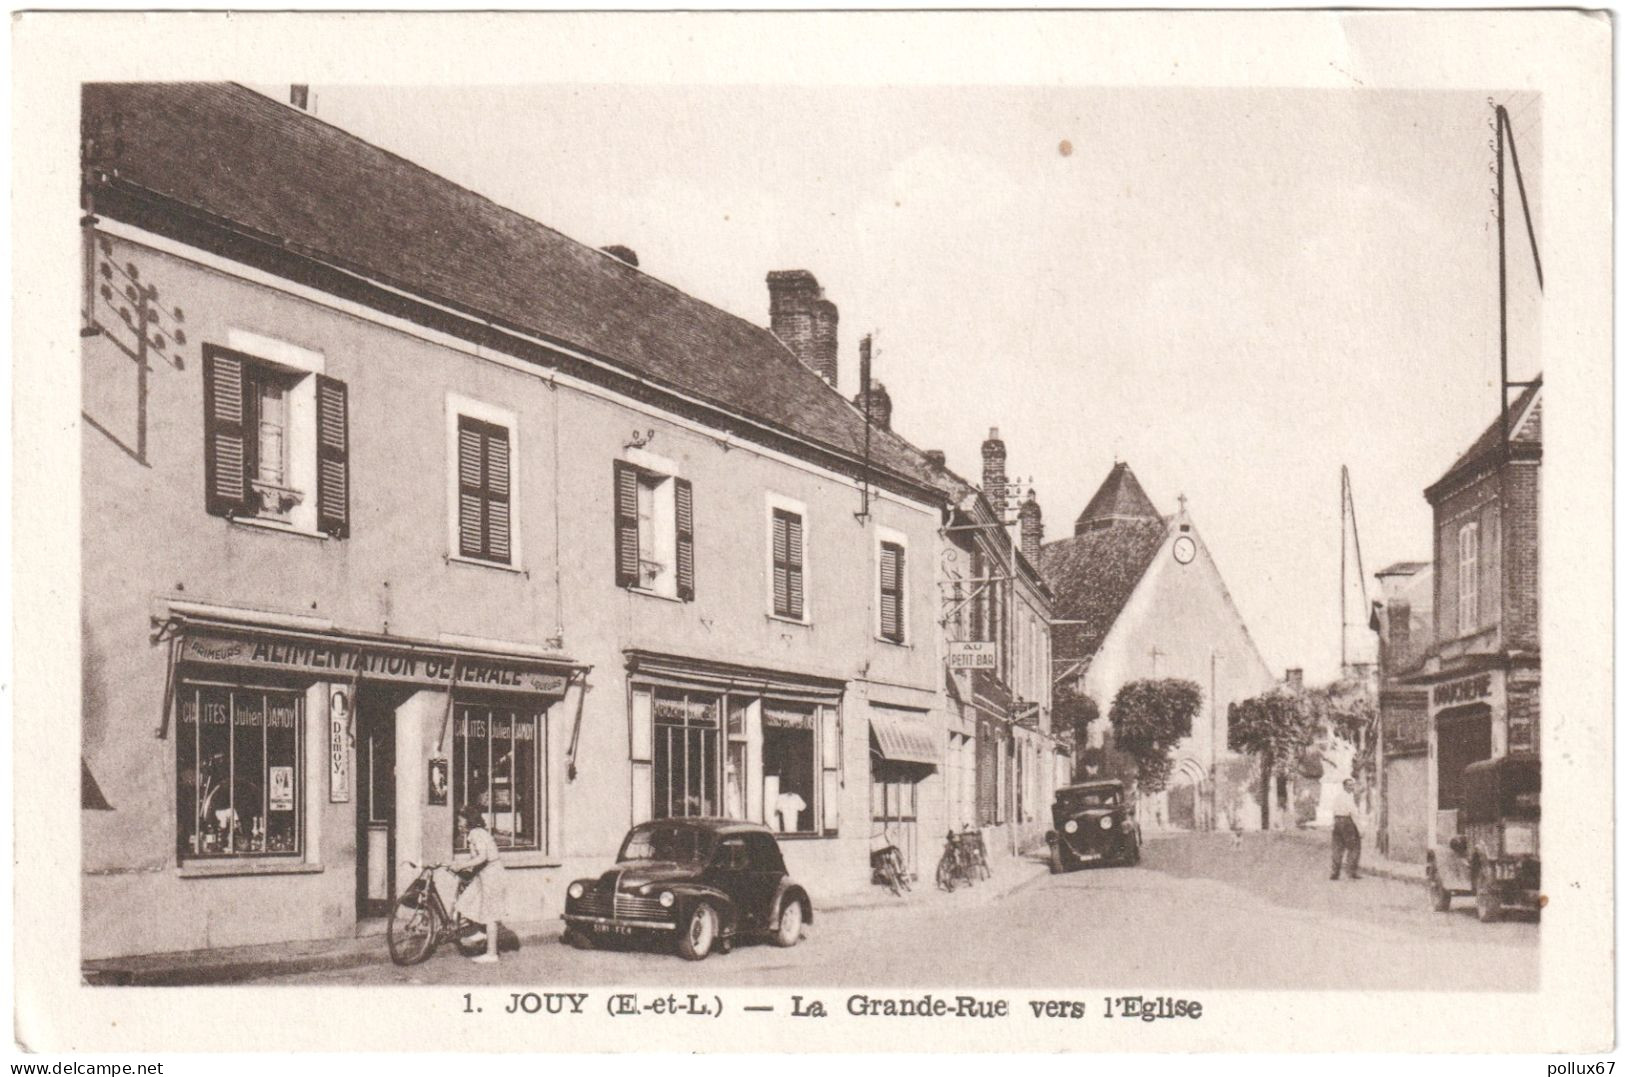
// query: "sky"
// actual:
[[1235, 291]]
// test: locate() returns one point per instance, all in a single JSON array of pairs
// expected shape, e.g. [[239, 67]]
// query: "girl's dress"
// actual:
[[483, 900]]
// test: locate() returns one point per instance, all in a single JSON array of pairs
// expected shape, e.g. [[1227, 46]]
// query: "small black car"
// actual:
[[1092, 825], [702, 882]]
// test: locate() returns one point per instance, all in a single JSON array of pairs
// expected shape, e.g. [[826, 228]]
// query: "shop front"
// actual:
[[1467, 721], [308, 767], [905, 753]]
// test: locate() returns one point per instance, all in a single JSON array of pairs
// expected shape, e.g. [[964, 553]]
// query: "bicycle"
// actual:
[[886, 863], [976, 849], [419, 922], [954, 867]]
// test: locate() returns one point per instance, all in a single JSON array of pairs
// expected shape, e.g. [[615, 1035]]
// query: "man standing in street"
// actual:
[[1346, 831]]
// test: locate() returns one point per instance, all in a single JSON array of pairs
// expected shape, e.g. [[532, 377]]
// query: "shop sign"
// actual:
[[1465, 690], [338, 746], [348, 661], [779, 716], [973, 654]]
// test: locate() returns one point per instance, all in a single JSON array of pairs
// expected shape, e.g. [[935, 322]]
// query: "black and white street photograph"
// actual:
[[899, 545]]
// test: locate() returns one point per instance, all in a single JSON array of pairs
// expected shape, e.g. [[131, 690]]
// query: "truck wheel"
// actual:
[[578, 939], [1489, 902], [1055, 865], [1133, 856], [699, 934], [1438, 896]]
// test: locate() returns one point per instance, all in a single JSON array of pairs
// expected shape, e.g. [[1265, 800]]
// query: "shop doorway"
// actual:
[[375, 799], [1464, 737]]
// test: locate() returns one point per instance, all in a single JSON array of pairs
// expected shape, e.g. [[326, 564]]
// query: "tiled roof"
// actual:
[[1120, 497], [1488, 444], [1092, 575], [240, 161]]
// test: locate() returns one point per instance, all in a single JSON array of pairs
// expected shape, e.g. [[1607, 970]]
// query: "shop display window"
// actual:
[[495, 764], [687, 744], [789, 767], [239, 777]]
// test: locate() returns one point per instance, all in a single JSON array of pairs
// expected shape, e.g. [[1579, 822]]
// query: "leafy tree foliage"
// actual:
[[1148, 718], [1277, 727], [1072, 713]]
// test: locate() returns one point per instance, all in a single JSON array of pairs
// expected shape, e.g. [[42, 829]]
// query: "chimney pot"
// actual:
[[1294, 679], [1032, 528], [993, 479], [803, 320], [879, 410]]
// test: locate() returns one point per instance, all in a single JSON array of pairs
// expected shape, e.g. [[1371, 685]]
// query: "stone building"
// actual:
[[1403, 618], [396, 500]]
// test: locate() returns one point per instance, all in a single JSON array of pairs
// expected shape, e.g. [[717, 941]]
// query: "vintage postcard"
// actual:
[[870, 531]]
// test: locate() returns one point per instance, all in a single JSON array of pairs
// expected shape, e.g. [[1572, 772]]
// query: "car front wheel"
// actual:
[[699, 935], [790, 921], [1438, 896], [1489, 902]]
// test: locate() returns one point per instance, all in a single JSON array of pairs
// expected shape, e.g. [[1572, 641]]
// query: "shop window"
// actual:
[[894, 792], [790, 765], [687, 754], [496, 763], [240, 781], [654, 532], [735, 805], [276, 443]]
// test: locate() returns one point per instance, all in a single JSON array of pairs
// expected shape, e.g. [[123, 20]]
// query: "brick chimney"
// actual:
[[879, 405], [993, 482], [1032, 527], [800, 316], [1399, 635], [299, 96], [937, 459]]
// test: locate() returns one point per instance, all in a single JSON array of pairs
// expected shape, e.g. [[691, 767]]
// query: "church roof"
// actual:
[[1120, 498], [1093, 573]]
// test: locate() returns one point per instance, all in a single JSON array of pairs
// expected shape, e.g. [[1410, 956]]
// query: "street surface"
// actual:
[[1196, 913]]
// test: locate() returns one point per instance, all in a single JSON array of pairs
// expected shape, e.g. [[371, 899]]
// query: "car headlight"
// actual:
[[1071, 826], [576, 891], [667, 899], [1105, 822]]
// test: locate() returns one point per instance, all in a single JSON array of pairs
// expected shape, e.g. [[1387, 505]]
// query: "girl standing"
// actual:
[[482, 900]]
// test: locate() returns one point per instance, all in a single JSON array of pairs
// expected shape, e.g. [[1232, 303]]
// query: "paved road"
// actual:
[[1197, 913]]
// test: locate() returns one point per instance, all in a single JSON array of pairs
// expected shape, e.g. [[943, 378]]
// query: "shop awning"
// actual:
[[905, 736]]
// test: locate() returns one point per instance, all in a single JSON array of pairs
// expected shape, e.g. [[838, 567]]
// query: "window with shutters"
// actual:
[[482, 483], [787, 560], [891, 584], [1467, 577], [654, 529], [276, 438]]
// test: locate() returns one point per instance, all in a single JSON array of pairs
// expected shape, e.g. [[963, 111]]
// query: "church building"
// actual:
[[1139, 596]]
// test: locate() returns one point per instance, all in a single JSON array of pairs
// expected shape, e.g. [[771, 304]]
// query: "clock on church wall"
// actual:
[[1184, 549]]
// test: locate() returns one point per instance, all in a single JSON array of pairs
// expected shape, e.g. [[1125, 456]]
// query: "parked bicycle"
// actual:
[[887, 864], [420, 922], [976, 850], [955, 867]]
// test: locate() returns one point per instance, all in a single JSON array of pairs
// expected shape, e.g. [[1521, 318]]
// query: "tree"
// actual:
[[1148, 718], [1072, 714], [1346, 710], [1276, 727]]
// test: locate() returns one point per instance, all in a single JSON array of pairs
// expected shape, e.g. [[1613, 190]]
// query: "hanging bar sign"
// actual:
[[338, 746]]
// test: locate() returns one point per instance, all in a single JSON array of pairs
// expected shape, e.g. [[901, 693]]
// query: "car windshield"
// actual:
[[667, 842], [1094, 798]]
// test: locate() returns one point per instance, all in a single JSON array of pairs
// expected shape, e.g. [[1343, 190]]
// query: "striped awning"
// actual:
[[906, 736]]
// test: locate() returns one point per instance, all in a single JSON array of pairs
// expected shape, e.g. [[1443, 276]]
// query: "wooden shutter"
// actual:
[[332, 457], [626, 524], [470, 488], [685, 539], [498, 496], [788, 598], [484, 492], [891, 591], [225, 465], [829, 736], [793, 561], [781, 568]]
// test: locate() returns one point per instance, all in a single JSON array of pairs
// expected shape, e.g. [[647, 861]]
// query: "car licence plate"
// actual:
[[611, 929]]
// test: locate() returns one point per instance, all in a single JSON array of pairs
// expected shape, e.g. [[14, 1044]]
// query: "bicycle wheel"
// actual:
[[901, 869], [888, 875], [945, 872], [414, 928]]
